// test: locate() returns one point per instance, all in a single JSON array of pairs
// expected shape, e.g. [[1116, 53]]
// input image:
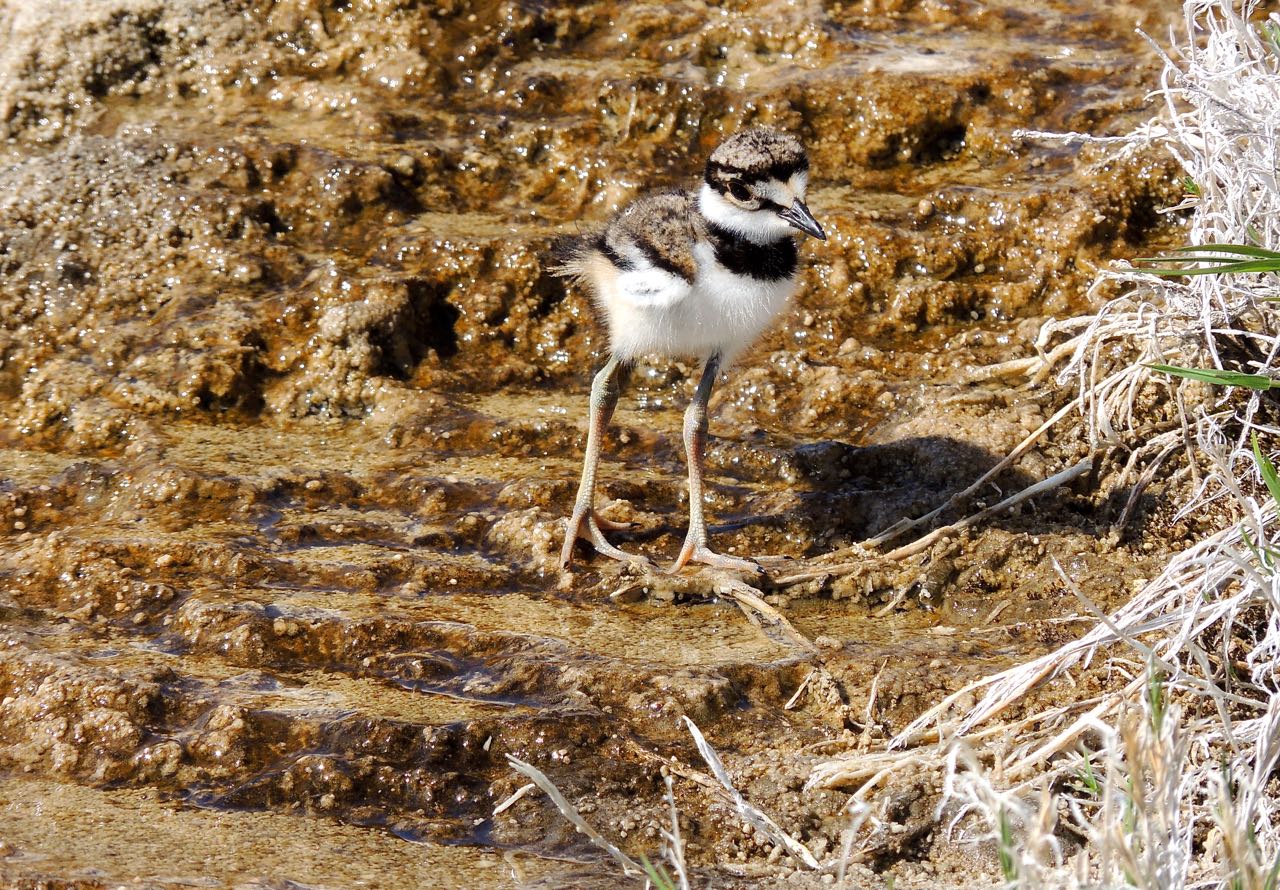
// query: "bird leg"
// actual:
[[584, 523], [695, 440]]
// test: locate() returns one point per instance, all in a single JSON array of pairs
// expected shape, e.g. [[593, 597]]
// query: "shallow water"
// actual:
[[291, 413]]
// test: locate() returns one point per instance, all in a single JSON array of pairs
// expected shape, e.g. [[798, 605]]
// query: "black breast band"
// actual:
[[765, 262]]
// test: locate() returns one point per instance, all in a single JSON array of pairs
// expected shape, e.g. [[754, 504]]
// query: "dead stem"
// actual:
[[629, 866], [752, 814], [751, 602]]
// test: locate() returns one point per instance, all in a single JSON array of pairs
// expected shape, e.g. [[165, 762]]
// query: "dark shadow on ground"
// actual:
[[850, 494]]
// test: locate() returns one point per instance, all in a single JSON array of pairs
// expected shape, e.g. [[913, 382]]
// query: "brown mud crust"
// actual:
[[291, 412]]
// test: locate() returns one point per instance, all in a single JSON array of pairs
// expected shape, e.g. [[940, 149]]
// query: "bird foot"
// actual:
[[587, 526], [701, 553]]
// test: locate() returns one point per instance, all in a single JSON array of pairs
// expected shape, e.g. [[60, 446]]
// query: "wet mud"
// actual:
[[291, 412]]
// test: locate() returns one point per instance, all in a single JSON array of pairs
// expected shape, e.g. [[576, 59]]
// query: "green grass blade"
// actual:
[[1234, 259], [1247, 266], [657, 875], [1005, 848], [1220, 260], [1239, 268], [1264, 555], [1274, 875], [1156, 701], [1178, 259], [1086, 776], [1207, 258], [1268, 470], [1260, 382], [1239, 249]]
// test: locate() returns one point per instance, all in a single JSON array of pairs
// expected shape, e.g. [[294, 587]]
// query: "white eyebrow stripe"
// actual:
[[799, 183]]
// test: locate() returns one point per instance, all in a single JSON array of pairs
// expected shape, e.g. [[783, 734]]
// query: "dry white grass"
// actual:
[[1179, 789]]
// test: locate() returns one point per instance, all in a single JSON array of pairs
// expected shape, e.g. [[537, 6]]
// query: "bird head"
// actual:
[[755, 185]]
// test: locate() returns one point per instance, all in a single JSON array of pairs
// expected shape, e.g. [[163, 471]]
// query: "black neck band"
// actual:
[[742, 256]]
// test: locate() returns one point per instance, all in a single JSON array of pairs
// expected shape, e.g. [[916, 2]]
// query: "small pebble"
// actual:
[[404, 165]]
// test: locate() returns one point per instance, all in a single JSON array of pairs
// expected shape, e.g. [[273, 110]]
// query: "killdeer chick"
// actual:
[[683, 274]]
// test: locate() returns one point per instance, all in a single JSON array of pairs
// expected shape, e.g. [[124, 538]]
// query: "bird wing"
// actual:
[[651, 245]]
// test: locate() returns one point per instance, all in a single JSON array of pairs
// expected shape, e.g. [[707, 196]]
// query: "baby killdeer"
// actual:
[[683, 274]]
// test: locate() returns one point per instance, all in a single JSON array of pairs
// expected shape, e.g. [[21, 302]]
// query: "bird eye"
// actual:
[[739, 191]]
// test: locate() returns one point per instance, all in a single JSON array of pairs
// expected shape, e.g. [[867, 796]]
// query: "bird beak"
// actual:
[[798, 216]]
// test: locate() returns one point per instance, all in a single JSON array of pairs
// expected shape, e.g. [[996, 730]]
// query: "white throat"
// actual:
[[757, 226]]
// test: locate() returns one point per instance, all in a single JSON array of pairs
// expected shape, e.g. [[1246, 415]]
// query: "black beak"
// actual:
[[798, 216]]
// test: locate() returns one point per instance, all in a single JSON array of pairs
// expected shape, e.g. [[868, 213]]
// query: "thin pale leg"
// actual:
[[695, 441], [584, 523]]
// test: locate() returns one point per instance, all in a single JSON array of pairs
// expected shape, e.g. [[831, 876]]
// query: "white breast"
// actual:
[[651, 311], [728, 312]]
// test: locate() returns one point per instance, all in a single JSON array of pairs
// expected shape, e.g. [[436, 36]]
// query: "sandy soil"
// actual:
[[291, 412]]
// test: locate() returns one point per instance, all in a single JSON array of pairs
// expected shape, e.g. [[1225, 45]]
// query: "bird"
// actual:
[[697, 274]]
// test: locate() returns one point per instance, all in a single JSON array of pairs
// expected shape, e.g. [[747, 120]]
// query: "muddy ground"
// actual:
[[291, 413]]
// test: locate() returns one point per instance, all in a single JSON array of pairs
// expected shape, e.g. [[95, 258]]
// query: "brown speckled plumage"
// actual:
[[663, 226]]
